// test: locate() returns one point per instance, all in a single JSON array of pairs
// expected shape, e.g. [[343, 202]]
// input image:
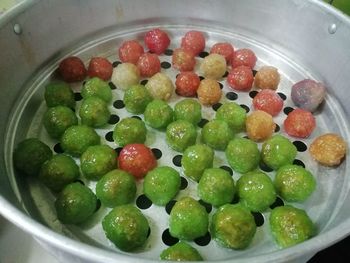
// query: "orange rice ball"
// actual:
[[328, 149], [259, 125], [209, 92], [267, 78]]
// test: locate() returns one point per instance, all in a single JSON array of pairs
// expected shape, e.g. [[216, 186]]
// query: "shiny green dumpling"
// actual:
[[256, 191], [181, 251], [58, 119], [59, 171], [97, 160], [116, 187], [126, 227], [294, 183], [59, 94], [290, 226], [136, 99], [233, 226], [242, 155], [97, 87], [75, 204], [216, 187], [217, 134], [29, 156], [129, 130], [180, 134], [188, 219], [278, 151], [77, 138], [233, 114], [196, 159], [94, 112], [188, 110], [158, 114], [161, 185]]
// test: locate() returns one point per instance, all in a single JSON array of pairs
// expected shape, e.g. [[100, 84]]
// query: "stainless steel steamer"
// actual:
[[302, 38]]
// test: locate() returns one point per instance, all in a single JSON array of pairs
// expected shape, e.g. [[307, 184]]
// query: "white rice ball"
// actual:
[[160, 86], [125, 75], [213, 66]]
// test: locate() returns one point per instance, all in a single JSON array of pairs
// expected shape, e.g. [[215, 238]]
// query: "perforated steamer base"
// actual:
[[322, 206]]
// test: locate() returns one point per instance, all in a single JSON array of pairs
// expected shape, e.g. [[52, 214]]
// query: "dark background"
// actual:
[[339, 252]]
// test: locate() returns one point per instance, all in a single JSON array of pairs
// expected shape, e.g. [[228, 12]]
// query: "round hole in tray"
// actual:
[[109, 136], [258, 218], [77, 96], [301, 146], [118, 150], [184, 183], [245, 107], [113, 119], [144, 81], [277, 128], [143, 202], [169, 206], [207, 206], [204, 240], [57, 148], [168, 52], [168, 239], [227, 168], [119, 104], [231, 95], [278, 202], [177, 160], [165, 65], [116, 63], [202, 122], [157, 153], [112, 86], [299, 162], [287, 110], [253, 93]]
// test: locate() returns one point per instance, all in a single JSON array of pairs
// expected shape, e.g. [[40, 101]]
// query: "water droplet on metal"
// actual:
[[332, 28], [17, 29]]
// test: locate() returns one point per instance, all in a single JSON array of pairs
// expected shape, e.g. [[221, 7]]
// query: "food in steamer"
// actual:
[[216, 134], [216, 187], [181, 251], [161, 185], [136, 98], [129, 130], [158, 114], [94, 112], [241, 78], [196, 159], [137, 164], [57, 119], [59, 171], [242, 155], [188, 110], [259, 126], [97, 160], [100, 67], [95, 86], [224, 49], [187, 84], [116, 187]]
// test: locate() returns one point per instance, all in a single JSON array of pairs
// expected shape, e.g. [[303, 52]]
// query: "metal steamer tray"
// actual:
[[323, 206]]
